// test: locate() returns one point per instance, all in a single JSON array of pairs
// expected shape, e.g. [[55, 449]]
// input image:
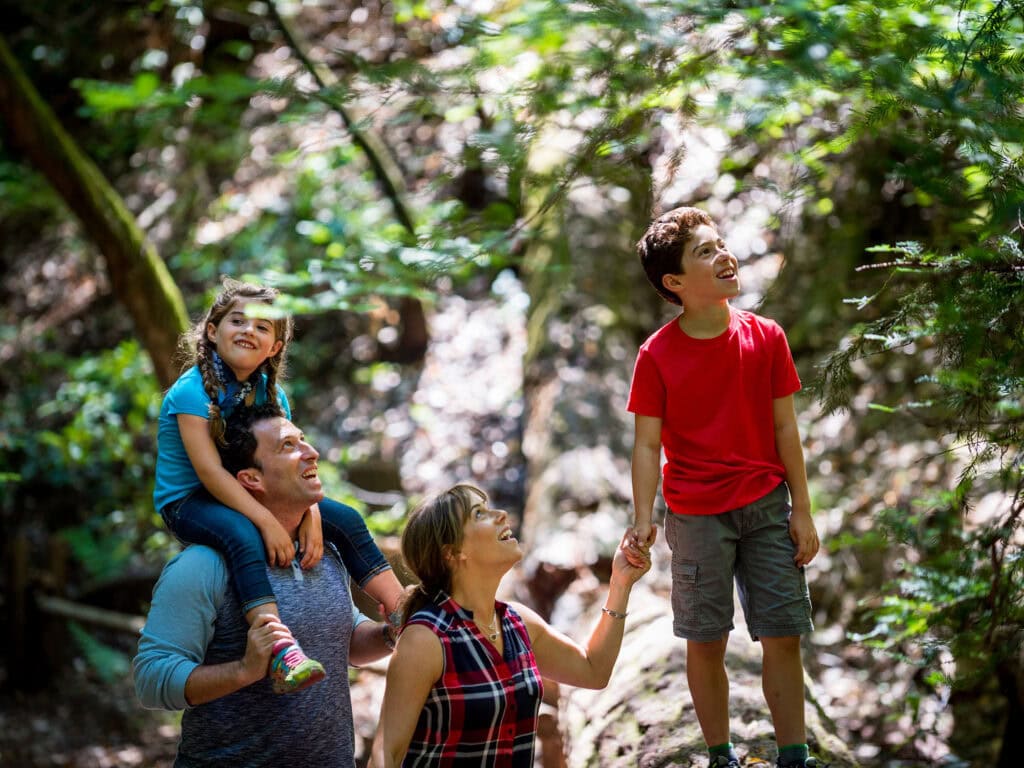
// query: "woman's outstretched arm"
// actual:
[[562, 659]]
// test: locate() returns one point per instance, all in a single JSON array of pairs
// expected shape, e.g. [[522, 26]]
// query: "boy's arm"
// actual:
[[646, 470], [226, 489], [787, 443]]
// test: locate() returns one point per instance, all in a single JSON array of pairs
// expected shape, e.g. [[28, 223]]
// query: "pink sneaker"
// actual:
[[291, 669]]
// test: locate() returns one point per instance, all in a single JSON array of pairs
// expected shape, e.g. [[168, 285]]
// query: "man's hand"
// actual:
[[209, 682], [280, 548], [804, 535], [311, 538], [265, 631]]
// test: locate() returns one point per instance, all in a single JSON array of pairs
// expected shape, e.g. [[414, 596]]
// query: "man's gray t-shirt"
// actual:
[[252, 727]]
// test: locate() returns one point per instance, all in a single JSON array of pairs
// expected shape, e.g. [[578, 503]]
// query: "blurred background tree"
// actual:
[[864, 159]]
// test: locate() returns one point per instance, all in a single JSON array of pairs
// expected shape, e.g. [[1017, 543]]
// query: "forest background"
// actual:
[[463, 182]]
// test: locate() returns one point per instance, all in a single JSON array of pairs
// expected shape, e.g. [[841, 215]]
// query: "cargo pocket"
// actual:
[[686, 595]]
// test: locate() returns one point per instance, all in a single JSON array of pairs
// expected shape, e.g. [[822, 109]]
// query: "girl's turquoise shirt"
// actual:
[[175, 476]]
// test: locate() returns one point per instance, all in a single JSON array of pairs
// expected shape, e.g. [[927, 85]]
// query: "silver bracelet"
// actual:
[[615, 614]]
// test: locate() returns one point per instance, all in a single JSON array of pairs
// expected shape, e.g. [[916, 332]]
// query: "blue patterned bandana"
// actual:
[[226, 377]]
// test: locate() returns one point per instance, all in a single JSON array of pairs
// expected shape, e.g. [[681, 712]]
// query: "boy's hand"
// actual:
[[311, 538], [804, 535], [637, 544], [629, 563], [280, 548]]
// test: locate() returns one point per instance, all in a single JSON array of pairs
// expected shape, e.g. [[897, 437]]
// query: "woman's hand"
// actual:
[[632, 560]]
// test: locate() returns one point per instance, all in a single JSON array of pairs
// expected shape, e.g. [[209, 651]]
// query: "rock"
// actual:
[[645, 716]]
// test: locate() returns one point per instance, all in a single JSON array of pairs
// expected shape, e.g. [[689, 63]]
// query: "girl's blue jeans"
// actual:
[[201, 519]]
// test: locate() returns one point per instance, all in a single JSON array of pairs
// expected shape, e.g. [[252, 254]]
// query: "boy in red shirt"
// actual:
[[714, 388]]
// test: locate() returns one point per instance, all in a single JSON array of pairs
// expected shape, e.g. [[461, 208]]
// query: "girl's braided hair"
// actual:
[[197, 349]]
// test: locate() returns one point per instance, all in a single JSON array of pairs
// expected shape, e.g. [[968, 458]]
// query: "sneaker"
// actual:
[[291, 670], [723, 761]]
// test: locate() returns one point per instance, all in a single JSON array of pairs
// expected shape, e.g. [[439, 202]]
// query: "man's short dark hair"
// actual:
[[239, 449], [661, 247]]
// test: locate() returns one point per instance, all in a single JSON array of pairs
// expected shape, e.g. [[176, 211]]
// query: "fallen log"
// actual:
[[89, 614]]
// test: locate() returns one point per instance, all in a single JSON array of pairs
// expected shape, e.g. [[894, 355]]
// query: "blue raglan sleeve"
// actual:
[[358, 617], [179, 627], [187, 396]]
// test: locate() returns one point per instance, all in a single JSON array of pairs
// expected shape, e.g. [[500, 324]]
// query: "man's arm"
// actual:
[[791, 453], [211, 681], [371, 640], [169, 669], [179, 627]]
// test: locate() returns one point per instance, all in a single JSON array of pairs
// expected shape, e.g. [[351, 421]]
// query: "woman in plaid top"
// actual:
[[464, 683]]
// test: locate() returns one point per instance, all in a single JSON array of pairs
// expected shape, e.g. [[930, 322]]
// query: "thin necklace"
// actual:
[[492, 634]]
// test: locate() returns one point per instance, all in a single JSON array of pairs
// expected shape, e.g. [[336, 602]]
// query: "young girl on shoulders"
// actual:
[[238, 359]]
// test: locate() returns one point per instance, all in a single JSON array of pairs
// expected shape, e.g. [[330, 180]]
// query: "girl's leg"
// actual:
[[346, 530], [201, 519]]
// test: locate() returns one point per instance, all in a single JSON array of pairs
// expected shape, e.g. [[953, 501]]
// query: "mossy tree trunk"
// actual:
[[140, 279]]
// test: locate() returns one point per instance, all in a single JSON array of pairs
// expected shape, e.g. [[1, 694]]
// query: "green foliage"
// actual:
[[145, 92], [104, 411], [91, 451], [912, 106], [109, 663], [961, 313]]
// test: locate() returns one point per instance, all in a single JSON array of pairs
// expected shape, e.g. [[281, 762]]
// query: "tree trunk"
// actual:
[[137, 274]]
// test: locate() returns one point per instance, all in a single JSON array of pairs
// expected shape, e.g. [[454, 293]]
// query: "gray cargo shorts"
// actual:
[[751, 545]]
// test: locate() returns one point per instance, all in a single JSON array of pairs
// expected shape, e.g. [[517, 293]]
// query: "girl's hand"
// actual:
[[280, 547], [311, 538]]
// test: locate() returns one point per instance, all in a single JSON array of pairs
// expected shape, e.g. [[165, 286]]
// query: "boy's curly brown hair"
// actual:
[[661, 247]]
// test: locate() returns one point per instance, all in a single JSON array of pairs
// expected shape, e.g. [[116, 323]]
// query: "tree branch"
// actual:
[[383, 164], [138, 275]]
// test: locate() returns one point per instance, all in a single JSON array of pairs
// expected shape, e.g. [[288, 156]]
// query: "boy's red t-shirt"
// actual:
[[714, 397]]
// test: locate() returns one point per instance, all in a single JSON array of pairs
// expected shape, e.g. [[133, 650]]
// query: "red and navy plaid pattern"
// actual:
[[483, 710]]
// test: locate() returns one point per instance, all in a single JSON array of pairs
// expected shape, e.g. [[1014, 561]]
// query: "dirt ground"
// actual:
[[82, 722]]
